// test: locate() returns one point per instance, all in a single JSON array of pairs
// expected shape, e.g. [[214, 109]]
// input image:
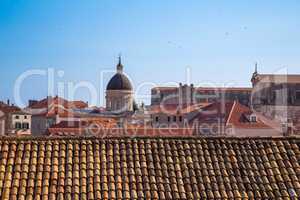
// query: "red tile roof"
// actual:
[[214, 111], [149, 168], [50, 101], [81, 126], [9, 108], [238, 117], [229, 113], [51, 107]]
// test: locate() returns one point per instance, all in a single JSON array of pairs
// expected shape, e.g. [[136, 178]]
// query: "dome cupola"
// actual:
[[119, 81]]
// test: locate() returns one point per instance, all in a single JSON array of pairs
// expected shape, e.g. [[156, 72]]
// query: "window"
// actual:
[[18, 125], [274, 94], [25, 126], [180, 118], [297, 95], [161, 96], [253, 118], [17, 117], [174, 119], [169, 119], [156, 119], [25, 117]]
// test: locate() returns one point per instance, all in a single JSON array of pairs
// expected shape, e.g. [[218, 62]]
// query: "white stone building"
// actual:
[[18, 123]]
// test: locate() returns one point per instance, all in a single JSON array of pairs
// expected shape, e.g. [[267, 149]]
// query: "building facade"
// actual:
[[18, 123], [119, 92], [14, 121], [189, 95], [46, 112], [2, 123], [173, 116], [233, 119], [277, 97]]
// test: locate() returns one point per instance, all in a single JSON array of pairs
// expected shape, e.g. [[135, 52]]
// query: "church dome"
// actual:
[[119, 81]]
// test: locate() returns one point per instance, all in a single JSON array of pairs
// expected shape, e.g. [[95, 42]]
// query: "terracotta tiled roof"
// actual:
[[50, 101], [238, 117], [144, 168], [81, 126], [214, 111], [230, 113], [50, 107], [9, 108]]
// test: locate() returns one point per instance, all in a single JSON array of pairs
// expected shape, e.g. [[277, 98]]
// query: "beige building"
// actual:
[[46, 112], [18, 123], [2, 123], [173, 116], [190, 95], [119, 92], [14, 121], [277, 96]]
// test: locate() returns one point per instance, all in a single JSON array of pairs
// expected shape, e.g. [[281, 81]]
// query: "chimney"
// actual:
[[192, 94]]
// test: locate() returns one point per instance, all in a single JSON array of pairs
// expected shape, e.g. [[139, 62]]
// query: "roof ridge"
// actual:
[[231, 113]]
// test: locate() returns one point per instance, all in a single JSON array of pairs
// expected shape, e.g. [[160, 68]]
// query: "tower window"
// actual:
[[174, 119], [169, 119], [156, 119]]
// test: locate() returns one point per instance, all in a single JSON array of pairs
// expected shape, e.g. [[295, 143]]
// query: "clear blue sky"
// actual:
[[219, 40]]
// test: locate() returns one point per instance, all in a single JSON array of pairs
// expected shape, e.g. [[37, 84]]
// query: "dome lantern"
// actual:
[[120, 66], [119, 81]]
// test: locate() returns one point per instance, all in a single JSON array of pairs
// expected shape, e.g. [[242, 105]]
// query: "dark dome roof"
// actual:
[[119, 82]]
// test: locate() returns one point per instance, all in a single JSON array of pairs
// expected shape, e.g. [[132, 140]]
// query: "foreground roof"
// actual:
[[149, 168]]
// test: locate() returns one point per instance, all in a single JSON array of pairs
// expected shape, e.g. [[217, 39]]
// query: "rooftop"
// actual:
[[149, 168]]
